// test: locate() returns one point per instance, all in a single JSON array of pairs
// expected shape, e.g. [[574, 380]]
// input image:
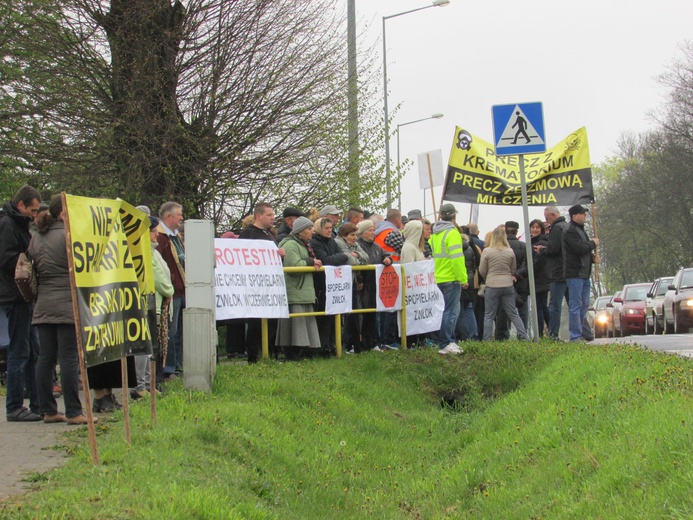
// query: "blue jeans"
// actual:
[[579, 289], [557, 292], [22, 353], [174, 355], [501, 296], [451, 296], [466, 323]]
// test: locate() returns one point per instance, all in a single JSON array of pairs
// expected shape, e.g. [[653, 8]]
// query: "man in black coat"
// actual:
[[554, 265], [579, 252], [260, 229], [15, 217]]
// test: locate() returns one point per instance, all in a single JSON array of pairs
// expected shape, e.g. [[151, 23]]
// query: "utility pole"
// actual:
[[353, 116]]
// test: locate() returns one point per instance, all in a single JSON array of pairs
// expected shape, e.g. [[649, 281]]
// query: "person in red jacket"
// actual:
[[172, 251]]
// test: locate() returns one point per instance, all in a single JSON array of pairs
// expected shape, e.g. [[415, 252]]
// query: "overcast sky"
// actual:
[[593, 63]]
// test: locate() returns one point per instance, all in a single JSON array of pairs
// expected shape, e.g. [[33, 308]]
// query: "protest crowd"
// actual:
[[483, 284]]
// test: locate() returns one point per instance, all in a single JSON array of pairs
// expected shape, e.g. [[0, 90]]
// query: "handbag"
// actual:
[[25, 277]]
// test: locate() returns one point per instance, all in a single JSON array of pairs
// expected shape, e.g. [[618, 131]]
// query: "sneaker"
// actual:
[[430, 343], [391, 346], [350, 351], [450, 348], [376, 349], [57, 391], [57, 418]]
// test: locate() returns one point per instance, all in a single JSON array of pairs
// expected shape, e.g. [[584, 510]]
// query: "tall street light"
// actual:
[[435, 3], [399, 175]]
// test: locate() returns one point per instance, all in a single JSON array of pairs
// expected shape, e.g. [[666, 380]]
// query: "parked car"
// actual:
[[611, 306], [629, 317], [654, 322], [601, 316], [677, 307]]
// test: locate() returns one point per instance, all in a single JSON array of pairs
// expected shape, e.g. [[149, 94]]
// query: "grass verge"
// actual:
[[508, 430]]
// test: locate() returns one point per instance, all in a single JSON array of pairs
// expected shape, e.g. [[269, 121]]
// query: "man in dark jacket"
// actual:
[[554, 265], [579, 252], [15, 217], [289, 215], [521, 283], [260, 229]]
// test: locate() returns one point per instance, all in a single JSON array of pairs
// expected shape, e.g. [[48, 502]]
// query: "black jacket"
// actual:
[[520, 250], [327, 250], [542, 281], [14, 239], [554, 250], [577, 252], [255, 233]]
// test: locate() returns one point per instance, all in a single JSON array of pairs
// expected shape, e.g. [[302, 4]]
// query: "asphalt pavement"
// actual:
[[25, 449]]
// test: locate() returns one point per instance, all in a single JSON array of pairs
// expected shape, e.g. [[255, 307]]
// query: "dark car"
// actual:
[[611, 306], [629, 317], [654, 322], [602, 317], [677, 307]]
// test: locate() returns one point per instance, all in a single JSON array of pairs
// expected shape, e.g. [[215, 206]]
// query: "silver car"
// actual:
[[654, 320]]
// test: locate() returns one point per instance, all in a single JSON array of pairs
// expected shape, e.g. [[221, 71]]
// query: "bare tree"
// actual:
[[216, 103]]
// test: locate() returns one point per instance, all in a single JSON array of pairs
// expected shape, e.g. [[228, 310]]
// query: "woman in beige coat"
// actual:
[[497, 267]]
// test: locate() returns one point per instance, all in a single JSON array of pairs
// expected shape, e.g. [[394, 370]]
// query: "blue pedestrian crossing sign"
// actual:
[[519, 128]]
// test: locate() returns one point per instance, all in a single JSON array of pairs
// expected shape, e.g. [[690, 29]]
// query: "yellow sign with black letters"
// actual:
[[112, 275], [561, 176]]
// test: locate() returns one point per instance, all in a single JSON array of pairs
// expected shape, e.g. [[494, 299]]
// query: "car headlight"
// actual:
[[687, 303], [633, 311], [602, 319]]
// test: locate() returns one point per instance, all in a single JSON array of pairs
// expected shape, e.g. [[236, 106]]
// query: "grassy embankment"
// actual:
[[527, 431]]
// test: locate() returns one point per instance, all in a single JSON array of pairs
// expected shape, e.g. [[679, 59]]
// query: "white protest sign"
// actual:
[[338, 285], [249, 280], [388, 283], [424, 300], [431, 169]]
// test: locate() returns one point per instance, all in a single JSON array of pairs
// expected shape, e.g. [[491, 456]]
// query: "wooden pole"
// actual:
[[125, 396], [152, 389], [596, 235], [78, 332], [430, 182]]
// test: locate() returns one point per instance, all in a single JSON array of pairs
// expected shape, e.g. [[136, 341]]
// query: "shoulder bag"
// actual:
[[25, 277]]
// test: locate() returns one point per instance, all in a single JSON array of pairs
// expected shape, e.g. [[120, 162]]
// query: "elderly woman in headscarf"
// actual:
[[376, 255], [299, 336]]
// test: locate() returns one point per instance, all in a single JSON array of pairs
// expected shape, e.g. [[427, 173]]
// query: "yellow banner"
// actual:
[[561, 176], [112, 275]]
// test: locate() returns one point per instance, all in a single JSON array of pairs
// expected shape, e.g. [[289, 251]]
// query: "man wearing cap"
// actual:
[[333, 214], [579, 252], [289, 216], [451, 274], [414, 214]]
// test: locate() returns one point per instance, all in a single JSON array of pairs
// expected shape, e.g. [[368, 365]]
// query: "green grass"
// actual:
[[508, 430]]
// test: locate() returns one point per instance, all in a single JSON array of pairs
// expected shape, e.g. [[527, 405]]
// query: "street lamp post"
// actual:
[[435, 3], [399, 174]]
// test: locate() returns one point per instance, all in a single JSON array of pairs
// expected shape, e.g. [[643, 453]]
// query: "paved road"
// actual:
[[24, 450], [680, 344]]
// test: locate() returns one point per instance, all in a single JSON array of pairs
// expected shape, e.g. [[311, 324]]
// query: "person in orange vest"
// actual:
[[388, 234]]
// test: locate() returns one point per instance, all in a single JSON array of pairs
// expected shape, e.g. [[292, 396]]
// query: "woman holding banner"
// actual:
[[54, 318], [299, 336]]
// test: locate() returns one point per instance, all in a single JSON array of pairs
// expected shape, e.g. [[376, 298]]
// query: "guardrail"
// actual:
[[338, 317]]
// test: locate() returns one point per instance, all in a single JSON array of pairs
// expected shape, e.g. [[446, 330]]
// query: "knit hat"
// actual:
[[364, 226], [153, 222], [301, 224]]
